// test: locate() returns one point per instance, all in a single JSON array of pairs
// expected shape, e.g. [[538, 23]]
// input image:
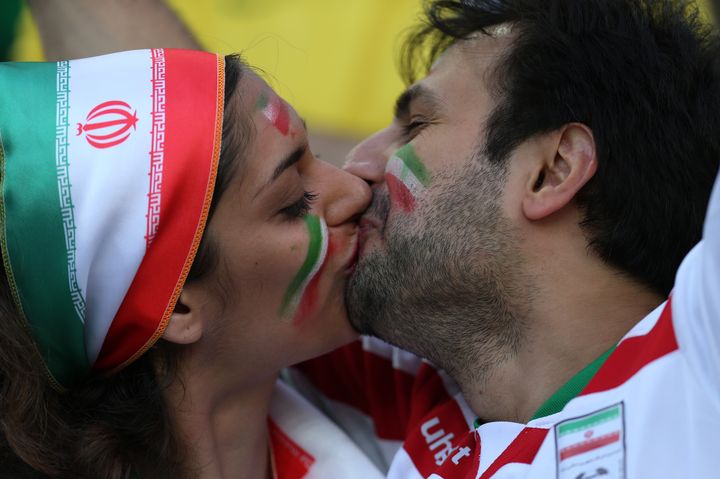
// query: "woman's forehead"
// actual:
[[277, 132], [251, 88]]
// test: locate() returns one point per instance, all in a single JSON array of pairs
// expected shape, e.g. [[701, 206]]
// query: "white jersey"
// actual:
[[649, 408]]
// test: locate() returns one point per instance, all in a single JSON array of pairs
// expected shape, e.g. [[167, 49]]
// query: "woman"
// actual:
[[169, 244]]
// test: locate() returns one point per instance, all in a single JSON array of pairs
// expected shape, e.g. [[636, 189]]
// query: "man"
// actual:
[[533, 201], [534, 198]]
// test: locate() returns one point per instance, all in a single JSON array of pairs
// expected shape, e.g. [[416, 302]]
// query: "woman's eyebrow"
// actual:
[[284, 164]]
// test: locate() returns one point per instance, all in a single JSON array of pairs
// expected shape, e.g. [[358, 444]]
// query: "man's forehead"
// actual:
[[478, 52], [465, 64]]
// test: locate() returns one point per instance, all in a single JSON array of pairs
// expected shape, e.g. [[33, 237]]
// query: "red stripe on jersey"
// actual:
[[634, 353], [437, 424], [522, 450], [389, 393], [193, 124], [291, 461], [415, 409], [464, 461], [367, 382], [340, 375]]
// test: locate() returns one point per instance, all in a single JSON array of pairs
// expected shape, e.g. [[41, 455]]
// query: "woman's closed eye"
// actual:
[[301, 207]]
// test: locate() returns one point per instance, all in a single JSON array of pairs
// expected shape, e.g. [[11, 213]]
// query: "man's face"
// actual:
[[438, 268]]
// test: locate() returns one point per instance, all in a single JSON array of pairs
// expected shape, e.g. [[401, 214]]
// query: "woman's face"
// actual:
[[286, 238]]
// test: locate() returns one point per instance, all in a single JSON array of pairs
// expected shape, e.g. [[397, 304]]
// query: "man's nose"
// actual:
[[368, 159]]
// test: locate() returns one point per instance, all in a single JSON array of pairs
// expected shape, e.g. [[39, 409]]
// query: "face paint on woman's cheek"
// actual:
[[276, 111], [406, 177], [300, 298]]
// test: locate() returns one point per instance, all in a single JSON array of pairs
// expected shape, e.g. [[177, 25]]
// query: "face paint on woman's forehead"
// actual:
[[406, 177], [275, 110], [301, 296]]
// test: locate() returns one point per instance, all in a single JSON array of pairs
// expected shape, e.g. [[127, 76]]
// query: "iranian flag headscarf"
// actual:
[[108, 168]]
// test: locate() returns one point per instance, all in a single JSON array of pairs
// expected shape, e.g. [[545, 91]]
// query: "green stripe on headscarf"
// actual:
[[34, 252]]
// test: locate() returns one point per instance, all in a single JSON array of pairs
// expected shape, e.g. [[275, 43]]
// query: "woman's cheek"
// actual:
[[301, 297]]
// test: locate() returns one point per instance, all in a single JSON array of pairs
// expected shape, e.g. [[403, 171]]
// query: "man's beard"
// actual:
[[448, 284]]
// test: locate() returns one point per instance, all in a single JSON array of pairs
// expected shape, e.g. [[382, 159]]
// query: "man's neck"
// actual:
[[576, 315]]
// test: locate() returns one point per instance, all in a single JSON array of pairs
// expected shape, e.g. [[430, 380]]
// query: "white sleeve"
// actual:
[[696, 301]]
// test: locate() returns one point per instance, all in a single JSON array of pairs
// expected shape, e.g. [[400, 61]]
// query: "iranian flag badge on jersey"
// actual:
[[592, 446]]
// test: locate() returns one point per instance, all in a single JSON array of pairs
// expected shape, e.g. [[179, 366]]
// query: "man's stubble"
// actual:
[[448, 284]]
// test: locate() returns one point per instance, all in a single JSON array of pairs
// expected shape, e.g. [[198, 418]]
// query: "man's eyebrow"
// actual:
[[284, 164], [416, 93]]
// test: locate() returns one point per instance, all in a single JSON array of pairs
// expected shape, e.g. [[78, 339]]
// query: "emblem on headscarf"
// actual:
[[108, 124]]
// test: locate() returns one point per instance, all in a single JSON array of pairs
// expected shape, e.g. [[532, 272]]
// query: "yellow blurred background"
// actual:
[[334, 60]]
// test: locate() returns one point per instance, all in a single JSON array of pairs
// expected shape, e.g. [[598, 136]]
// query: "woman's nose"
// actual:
[[347, 196]]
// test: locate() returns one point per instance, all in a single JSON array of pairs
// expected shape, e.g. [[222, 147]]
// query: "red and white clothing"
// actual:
[[307, 445], [649, 408]]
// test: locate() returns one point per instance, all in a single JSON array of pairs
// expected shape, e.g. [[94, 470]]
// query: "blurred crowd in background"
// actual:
[[334, 60]]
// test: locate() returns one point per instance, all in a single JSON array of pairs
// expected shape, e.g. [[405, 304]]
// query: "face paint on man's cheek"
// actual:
[[406, 178], [276, 111], [301, 297]]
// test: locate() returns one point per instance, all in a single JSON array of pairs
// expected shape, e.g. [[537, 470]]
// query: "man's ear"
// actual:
[[186, 323], [569, 164]]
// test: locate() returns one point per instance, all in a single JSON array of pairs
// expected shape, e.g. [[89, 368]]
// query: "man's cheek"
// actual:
[[406, 178], [400, 195]]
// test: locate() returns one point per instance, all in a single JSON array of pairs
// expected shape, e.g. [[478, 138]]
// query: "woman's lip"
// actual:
[[352, 260]]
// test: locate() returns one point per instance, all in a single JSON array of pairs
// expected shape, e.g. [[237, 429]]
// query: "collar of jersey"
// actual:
[[568, 391], [572, 389]]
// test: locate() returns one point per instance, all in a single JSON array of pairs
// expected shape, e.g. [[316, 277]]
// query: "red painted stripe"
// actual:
[[282, 116], [586, 446], [522, 450], [194, 97], [633, 354], [309, 300], [291, 460], [400, 195]]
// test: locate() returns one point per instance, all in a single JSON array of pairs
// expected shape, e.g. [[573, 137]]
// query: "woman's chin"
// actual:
[[328, 329]]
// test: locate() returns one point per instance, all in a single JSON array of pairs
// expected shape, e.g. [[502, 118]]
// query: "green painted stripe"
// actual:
[[591, 421], [413, 163], [313, 256], [262, 102], [32, 229]]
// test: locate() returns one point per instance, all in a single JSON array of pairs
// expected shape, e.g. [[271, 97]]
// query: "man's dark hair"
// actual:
[[643, 75]]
